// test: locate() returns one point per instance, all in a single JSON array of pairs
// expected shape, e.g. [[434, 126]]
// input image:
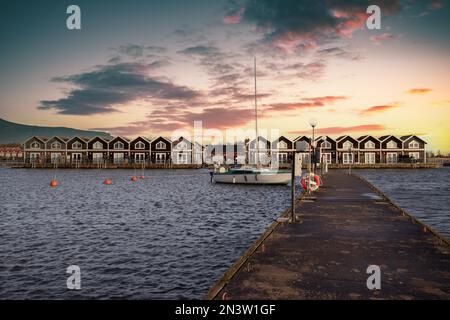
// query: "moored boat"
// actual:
[[252, 176]]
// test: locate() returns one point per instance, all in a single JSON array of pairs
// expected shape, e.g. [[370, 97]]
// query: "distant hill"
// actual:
[[11, 132]]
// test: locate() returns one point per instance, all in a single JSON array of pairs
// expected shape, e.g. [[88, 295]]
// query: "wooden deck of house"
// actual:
[[343, 228]]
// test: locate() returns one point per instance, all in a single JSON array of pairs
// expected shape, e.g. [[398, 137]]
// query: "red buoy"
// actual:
[[133, 178], [107, 182], [53, 183], [142, 177]]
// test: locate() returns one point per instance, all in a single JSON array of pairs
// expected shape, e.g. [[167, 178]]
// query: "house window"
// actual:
[[118, 145], [160, 145], [77, 145], [140, 145], [160, 157], [348, 145], [326, 157], [369, 145], [97, 157], [414, 155], [391, 157], [392, 145], [261, 144], [348, 158], [118, 158], [55, 157], [35, 145], [282, 145], [414, 145], [326, 145], [282, 157], [182, 158], [56, 145], [369, 157], [98, 145]]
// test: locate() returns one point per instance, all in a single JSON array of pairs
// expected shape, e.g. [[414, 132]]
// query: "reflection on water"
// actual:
[[171, 235], [424, 193]]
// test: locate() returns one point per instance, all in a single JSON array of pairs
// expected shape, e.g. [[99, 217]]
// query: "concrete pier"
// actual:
[[344, 227]]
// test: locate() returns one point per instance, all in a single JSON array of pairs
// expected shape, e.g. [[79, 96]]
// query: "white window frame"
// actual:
[[139, 157], [35, 156], [182, 145], [282, 145], [77, 145], [347, 145], [74, 157], [162, 157], [369, 145], [413, 144], [35, 145], [160, 145], [326, 157], [370, 156], [56, 145], [282, 157], [97, 157], [262, 144], [348, 158], [118, 157], [414, 155], [389, 159], [117, 145], [326, 145], [55, 157], [392, 145], [96, 145], [139, 145]]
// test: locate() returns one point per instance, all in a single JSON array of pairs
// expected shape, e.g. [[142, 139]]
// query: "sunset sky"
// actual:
[[150, 67]]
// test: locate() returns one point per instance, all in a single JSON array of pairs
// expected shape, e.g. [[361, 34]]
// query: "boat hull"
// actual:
[[253, 178]]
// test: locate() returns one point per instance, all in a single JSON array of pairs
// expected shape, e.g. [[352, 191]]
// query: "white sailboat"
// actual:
[[252, 175]]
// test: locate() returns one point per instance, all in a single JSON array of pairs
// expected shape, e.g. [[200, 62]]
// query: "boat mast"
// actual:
[[256, 118]]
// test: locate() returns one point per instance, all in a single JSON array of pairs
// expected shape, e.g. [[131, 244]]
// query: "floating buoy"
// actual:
[[308, 183], [133, 178], [53, 183], [142, 177], [107, 182]]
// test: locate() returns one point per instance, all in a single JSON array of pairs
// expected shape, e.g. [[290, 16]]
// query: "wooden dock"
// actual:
[[344, 227]]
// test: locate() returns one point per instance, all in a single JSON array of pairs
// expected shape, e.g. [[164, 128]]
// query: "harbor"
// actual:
[[341, 229]]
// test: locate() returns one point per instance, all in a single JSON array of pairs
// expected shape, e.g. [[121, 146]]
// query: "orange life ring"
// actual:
[[316, 181]]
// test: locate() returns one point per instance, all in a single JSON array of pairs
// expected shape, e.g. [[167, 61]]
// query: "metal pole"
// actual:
[[293, 188], [313, 157]]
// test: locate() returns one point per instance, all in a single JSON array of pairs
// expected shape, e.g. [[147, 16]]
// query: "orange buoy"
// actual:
[[107, 182], [142, 177], [133, 178], [53, 183]]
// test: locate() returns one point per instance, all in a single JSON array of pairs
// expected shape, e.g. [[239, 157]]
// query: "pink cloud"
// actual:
[[377, 109], [367, 128], [419, 91], [379, 39], [234, 18], [306, 103]]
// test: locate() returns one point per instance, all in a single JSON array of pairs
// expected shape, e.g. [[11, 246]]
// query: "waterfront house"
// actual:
[[56, 150], [414, 148], [34, 149], [140, 150], [261, 154], [11, 152], [303, 145], [391, 149], [182, 151], [98, 150], [119, 150], [77, 150], [281, 151], [369, 149], [161, 150], [347, 149], [327, 147]]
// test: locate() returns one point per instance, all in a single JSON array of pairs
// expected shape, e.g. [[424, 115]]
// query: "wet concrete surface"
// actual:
[[345, 227]]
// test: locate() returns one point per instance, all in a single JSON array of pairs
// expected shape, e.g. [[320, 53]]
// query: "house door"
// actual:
[[55, 157], [282, 157], [160, 158], [391, 158], [139, 157], [97, 158], [34, 157], [182, 158], [76, 157], [326, 157], [369, 157], [118, 158], [348, 158]]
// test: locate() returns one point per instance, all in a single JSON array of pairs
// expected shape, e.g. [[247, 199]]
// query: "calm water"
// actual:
[[424, 193], [170, 236]]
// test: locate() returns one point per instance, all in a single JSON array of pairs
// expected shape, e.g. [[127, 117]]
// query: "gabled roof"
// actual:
[[120, 137], [362, 138], [324, 138], [281, 137], [404, 138], [40, 138], [341, 137], [101, 138], [84, 139], [161, 137], [140, 137], [300, 137]]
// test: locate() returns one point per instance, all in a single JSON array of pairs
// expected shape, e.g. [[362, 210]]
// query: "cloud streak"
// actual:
[[366, 128]]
